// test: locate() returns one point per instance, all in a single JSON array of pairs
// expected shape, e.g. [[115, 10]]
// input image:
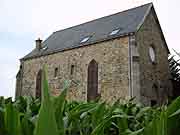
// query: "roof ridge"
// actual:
[[150, 3]]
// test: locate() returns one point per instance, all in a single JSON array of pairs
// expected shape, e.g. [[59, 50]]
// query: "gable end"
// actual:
[[152, 10]]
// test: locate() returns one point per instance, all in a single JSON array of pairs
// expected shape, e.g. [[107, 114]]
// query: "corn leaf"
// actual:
[[59, 105], [46, 123], [12, 120]]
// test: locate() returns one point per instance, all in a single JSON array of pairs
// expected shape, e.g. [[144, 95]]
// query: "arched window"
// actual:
[[39, 84], [155, 93], [92, 82], [152, 54]]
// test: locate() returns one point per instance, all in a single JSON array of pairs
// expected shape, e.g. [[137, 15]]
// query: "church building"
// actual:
[[113, 57]]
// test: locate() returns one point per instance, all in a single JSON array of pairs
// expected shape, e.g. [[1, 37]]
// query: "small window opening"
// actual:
[[84, 39], [56, 72], [114, 32], [152, 54], [45, 48], [72, 69], [153, 102]]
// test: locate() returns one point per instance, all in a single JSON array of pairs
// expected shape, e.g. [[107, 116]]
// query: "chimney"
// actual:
[[38, 44]]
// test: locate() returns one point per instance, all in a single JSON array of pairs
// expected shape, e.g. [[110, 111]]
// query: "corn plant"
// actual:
[[57, 116]]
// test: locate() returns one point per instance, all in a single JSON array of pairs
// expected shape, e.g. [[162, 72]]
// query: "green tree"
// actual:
[[174, 65]]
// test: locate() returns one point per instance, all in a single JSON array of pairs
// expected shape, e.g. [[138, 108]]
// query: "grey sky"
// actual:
[[23, 21]]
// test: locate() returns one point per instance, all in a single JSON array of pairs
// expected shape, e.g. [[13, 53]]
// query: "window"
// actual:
[[114, 32], [72, 69], [84, 39], [152, 54], [56, 72], [39, 84], [45, 48], [92, 81], [153, 102]]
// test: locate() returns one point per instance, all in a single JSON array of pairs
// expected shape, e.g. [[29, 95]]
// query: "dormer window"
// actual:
[[114, 32], [85, 39], [45, 48]]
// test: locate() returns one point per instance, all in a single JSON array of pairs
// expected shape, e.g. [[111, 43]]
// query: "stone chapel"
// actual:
[[117, 56]]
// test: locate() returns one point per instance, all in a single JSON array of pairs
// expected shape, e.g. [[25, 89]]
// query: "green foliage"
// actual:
[[57, 116], [174, 66], [46, 123]]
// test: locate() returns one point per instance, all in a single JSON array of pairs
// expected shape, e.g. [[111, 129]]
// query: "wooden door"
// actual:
[[92, 86], [39, 84]]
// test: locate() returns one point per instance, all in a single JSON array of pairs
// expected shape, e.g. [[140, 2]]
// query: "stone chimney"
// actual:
[[38, 44]]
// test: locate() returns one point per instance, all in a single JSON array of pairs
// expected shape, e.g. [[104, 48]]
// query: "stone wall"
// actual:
[[18, 83], [112, 59], [153, 74]]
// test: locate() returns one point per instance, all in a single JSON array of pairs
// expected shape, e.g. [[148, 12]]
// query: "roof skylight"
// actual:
[[114, 32], [45, 47], [85, 39]]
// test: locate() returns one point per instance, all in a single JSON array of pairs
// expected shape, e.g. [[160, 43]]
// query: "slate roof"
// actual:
[[127, 21]]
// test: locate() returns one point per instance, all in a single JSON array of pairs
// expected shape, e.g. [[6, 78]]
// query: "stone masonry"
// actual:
[[153, 74], [124, 66], [112, 60]]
